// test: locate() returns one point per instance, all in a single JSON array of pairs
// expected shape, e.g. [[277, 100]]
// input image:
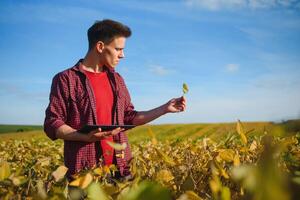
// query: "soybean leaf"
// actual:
[[4, 170], [59, 173], [185, 88], [164, 176], [83, 181], [117, 146], [189, 195], [165, 157], [95, 192], [241, 132]]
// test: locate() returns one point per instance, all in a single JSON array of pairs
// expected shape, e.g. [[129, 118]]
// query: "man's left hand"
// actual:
[[176, 105]]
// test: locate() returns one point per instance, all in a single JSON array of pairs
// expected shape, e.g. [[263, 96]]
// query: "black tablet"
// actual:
[[89, 128]]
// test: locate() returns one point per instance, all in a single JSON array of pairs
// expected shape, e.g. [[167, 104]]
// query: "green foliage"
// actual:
[[291, 126], [18, 128]]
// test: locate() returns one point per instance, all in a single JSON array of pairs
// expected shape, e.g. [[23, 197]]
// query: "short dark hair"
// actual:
[[106, 31]]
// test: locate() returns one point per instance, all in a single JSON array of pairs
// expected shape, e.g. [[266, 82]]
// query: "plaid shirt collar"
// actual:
[[79, 67]]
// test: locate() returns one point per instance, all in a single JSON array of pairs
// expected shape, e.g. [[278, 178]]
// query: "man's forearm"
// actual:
[[66, 132], [144, 117]]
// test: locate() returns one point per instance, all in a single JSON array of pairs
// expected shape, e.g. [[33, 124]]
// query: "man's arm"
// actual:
[[66, 132], [173, 106]]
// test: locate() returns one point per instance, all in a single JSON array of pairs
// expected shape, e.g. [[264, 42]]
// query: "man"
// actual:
[[92, 92]]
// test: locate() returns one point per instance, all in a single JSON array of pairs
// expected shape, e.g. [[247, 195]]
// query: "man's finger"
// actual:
[[116, 131], [102, 134]]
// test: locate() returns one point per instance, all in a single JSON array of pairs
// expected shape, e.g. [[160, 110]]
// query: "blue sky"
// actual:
[[240, 58]]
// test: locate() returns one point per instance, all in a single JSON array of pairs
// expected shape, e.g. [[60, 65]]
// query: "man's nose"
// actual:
[[121, 55]]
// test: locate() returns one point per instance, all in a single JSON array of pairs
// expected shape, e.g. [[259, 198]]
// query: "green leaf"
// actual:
[[296, 180], [147, 191], [297, 173], [110, 189], [95, 192], [225, 194], [185, 88]]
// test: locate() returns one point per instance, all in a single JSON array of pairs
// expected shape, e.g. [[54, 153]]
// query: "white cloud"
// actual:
[[231, 4], [232, 67], [216, 4], [160, 70]]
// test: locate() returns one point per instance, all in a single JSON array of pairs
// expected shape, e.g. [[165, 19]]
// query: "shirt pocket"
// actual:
[[78, 95], [80, 106]]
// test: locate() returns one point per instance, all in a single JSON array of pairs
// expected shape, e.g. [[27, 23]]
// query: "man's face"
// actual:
[[114, 52]]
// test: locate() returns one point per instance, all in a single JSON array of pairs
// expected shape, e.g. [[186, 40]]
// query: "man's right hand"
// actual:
[[65, 132], [97, 134]]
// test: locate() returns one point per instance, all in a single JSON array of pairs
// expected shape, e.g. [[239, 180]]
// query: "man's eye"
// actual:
[[118, 49]]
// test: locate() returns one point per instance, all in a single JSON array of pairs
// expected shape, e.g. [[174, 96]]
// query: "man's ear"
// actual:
[[100, 46]]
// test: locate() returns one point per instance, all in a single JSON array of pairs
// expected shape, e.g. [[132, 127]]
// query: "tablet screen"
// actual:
[[89, 128]]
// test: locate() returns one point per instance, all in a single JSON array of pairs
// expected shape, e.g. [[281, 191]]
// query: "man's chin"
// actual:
[[112, 66]]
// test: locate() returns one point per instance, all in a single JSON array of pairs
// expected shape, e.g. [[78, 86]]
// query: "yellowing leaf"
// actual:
[[153, 138], [41, 191], [220, 169], [117, 146], [189, 195], [287, 142], [106, 169], [215, 185], [224, 173], [236, 160], [185, 88], [166, 158], [98, 171], [59, 173], [226, 155], [253, 146], [164, 176], [44, 161], [4, 170], [19, 180], [83, 181], [241, 132]]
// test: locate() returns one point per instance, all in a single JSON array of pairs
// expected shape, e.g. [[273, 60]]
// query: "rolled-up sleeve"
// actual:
[[56, 112], [129, 112]]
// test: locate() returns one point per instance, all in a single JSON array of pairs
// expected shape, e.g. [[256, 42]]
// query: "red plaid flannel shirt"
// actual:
[[72, 102]]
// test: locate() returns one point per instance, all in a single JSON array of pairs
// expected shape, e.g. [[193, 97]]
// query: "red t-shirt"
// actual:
[[104, 103]]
